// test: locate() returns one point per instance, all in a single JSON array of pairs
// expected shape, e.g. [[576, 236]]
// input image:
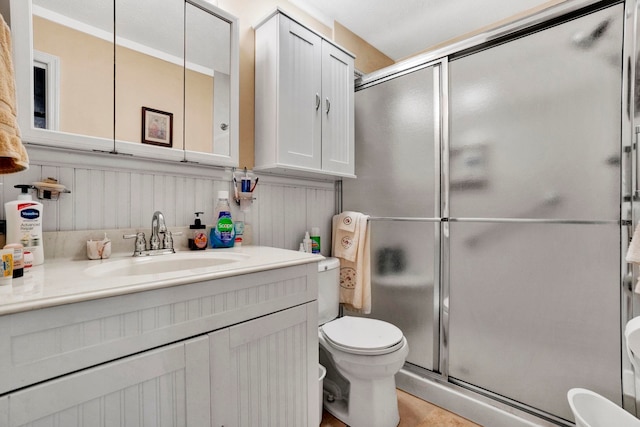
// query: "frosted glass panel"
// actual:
[[534, 310], [535, 124], [402, 280], [395, 146]]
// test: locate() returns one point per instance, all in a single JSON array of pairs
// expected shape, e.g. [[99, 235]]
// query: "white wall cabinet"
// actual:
[[304, 86], [130, 360]]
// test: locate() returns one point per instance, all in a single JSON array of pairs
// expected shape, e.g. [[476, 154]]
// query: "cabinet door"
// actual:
[[164, 387], [299, 123], [337, 110], [265, 372]]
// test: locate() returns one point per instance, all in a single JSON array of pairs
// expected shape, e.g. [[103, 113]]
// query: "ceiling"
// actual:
[[406, 27]]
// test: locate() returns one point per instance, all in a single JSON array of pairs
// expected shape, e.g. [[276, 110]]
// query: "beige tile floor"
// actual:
[[414, 412]]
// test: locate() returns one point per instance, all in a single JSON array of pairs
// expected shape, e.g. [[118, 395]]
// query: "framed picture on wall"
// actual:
[[157, 127]]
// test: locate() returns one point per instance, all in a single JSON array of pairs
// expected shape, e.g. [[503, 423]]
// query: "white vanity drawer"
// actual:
[[42, 344]]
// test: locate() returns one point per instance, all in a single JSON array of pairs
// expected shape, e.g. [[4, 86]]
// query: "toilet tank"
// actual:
[[328, 289]]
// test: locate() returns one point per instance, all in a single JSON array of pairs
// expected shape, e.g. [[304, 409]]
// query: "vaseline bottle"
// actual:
[[222, 233], [24, 223]]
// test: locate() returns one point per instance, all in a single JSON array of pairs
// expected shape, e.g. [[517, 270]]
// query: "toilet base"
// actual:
[[363, 388], [358, 410]]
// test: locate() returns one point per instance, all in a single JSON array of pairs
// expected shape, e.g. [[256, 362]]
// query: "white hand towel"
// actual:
[[352, 249], [348, 221], [346, 234], [13, 156], [633, 253]]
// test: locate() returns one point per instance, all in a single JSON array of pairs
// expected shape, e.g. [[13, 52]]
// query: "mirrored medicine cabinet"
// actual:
[[145, 78]]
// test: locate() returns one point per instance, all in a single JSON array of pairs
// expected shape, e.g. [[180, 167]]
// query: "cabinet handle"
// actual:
[[317, 101], [328, 104]]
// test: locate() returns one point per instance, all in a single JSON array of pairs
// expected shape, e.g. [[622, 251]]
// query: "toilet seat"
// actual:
[[363, 336]]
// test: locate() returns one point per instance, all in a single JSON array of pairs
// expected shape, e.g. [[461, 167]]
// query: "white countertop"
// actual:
[[66, 281]]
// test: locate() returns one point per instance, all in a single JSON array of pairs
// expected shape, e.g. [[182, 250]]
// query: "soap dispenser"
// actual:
[[198, 239]]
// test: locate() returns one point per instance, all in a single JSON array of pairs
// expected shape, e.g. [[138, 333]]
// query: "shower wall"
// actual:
[[496, 211]]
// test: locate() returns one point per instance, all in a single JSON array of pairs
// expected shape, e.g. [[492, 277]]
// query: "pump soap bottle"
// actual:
[[24, 223], [199, 239]]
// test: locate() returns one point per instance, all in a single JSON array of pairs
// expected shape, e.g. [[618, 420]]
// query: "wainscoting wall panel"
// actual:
[[109, 197]]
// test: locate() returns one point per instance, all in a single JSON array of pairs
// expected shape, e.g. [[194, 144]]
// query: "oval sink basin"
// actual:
[[158, 264]]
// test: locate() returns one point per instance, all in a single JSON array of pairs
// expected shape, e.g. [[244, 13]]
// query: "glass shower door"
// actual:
[[397, 164], [534, 247]]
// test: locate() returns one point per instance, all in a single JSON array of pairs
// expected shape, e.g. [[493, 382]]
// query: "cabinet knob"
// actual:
[[317, 101], [328, 104]]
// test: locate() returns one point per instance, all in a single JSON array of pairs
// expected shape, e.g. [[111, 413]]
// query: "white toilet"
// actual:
[[361, 356]]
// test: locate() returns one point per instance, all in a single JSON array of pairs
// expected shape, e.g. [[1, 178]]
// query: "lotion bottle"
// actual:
[[24, 223], [307, 242]]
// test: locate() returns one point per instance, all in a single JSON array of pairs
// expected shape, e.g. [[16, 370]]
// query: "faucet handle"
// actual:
[[140, 244], [167, 241]]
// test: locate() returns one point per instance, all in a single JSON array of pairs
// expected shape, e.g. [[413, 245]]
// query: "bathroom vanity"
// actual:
[[234, 344]]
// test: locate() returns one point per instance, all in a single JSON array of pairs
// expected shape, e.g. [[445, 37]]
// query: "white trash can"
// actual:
[[322, 371]]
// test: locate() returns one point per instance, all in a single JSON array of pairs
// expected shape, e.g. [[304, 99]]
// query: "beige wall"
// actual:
[[368, 58]]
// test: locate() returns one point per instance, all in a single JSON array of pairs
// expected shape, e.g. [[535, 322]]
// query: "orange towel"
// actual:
[[351, 238], [13, 155]]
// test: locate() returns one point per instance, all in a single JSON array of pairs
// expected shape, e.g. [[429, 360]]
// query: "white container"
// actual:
[[24, 224], [6, 266]]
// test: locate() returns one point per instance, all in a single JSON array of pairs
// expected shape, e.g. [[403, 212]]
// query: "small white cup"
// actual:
[[98, 249]]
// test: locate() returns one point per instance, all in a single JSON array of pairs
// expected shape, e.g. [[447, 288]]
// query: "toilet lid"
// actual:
[[359, 335]]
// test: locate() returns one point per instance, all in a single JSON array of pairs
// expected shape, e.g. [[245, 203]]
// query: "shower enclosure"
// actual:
[[493, 174]]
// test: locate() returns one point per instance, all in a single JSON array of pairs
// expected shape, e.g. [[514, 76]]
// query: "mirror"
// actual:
[[206, 82], [72, 74], [173, 94]]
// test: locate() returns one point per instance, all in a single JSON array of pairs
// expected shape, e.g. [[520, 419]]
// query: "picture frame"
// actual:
[[157, 127]]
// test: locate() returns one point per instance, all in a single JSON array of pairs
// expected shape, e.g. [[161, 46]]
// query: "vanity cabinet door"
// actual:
[[164, 387], [265, 372]]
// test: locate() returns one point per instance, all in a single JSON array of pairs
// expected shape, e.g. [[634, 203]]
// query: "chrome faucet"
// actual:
[[157, 226], [157, 245]]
